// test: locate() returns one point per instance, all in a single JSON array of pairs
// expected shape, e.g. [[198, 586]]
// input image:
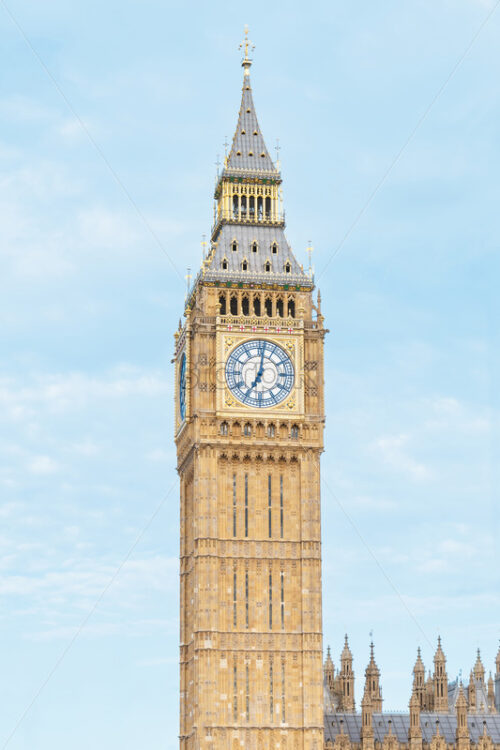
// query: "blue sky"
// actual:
[[89, 302]]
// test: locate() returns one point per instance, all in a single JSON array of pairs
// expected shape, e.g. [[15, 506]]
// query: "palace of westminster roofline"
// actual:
[[442, 714]]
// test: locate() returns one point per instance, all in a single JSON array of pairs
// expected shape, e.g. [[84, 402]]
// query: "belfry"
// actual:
[[249, 434]]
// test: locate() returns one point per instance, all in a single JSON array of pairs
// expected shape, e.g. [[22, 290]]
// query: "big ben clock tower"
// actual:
[[249, 434]]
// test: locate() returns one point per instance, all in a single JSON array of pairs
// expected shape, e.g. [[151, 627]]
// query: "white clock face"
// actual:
[[259, 373]]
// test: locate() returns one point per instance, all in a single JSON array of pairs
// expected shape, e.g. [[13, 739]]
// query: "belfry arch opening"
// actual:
[[222, 304]]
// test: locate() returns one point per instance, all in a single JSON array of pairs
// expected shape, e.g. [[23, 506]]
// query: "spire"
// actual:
[[372, 681], [440, 680], [419, 679], [419, 664], [248, 152], [439, 655], [347, 677], [329, 669], [346, 651], [479, 668], [248, 243]]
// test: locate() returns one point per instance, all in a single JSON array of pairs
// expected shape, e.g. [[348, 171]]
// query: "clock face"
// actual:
[[182, 387], [259, 373]]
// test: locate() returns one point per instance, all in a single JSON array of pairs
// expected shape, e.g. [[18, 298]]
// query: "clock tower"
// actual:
[[249, 434]]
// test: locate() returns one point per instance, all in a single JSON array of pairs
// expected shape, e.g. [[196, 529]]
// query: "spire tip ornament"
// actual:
[[246, 45]]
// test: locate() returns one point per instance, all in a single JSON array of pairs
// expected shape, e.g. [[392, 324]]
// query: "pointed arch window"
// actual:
[[288, 267], [235, 206], [234, 246], [244, 265], [259, 208], [279, 308], [234, 306], [267, 267], [222, 304], [243, 206], [295, 432], [247, 430], [255, 247], [245, 306], [251, 207], [224, 428], [268, 208], [256, 306], [269, 307], [274, 248], [225, 264], [291, 308]]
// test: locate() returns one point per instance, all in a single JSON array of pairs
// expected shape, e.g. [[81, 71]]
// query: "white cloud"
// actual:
[[43, 465], [392, 450], [63, 392]]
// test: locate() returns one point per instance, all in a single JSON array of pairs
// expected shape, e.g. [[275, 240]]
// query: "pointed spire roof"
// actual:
[[461, 700], [439, 655], [479, 668], [372, 667], [248, 152], [419, 664], [328, 660], [346, 651]]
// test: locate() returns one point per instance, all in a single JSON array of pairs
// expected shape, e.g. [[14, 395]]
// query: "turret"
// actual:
[[429, 692], [419, 680], [440, 680], [479, 668], [491, 695], [372, 682], [462, 734], [367, 742], [415, 731], [347, 678], [329, 669], [472, 694]]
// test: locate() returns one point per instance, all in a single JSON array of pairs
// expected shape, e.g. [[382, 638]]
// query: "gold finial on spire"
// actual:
[[245, 45]]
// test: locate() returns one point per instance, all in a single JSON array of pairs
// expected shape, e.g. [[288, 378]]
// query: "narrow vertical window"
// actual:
[[281, 506], [269, 506], [283, 694], [235, 693], [270, 601], [282, 604], [246, 599], [234, 504], [271, 688], [247, 690], [234, 599], [246, 505]]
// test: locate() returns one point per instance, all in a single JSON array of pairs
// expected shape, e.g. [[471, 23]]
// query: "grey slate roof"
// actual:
[[400, 724], [264, 236], [248, 150]]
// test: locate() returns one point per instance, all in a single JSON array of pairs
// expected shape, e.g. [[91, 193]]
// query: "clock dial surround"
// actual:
[[259, 373]]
